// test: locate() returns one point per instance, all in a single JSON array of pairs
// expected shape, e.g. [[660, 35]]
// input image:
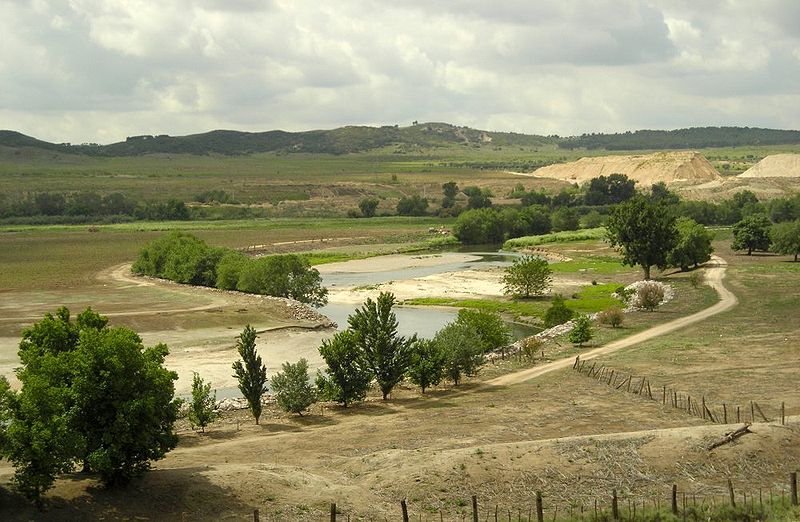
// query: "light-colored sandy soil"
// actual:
[[669, 167], [775, 166]]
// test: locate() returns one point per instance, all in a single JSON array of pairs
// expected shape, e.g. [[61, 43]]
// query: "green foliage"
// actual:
[[89, 393], [463, 350], [179, 257], [368, 206], [558, 313], [412, 206], [348, 375], [201, 407], [693, 246], [374, 328], [293, 391], [691, 138], [287, 275], [752, 233], [556, 237], [581, 331], [449, 193], [786, 238], [229, 269], [492, 330], [592, 219], [527, 276], [643, 231], [250, 372], [427, 365], [491, 225], [564, 219], [477, 197], [6, 399], [609, 190]]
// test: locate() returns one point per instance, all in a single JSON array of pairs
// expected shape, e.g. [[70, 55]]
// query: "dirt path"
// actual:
[[715, 271]]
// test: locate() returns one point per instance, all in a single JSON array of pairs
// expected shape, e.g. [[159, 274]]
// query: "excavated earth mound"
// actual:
[[646, 169], [775, 166]]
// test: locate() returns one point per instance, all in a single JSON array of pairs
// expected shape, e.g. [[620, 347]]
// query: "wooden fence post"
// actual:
[[793, 487], [724, 414], [614, 505], [704, 406], [333, 511], [404, 508], [255, 515], [675, 499], [783, 413], [539, 509], [474, 508], [730, 492]]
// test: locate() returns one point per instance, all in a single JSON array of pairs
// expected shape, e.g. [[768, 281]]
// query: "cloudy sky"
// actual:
[[100, 70]]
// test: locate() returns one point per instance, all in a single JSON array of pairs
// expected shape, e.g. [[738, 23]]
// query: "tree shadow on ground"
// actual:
[[168, 494]]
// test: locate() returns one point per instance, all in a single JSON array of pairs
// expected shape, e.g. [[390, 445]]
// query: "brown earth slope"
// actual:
[[669, 167]]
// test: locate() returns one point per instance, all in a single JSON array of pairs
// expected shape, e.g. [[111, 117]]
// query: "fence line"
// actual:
[[613, 507], [720, 414]]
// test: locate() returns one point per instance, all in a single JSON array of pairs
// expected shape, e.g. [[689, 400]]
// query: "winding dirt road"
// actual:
[[715, 271]]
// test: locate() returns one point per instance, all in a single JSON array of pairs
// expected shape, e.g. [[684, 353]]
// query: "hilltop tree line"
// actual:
[[185, 258], [693, 138]]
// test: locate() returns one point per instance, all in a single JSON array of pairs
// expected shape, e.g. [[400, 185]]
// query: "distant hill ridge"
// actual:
[[352, 139]]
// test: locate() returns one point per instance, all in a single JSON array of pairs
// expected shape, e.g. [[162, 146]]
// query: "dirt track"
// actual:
[[715, 271]]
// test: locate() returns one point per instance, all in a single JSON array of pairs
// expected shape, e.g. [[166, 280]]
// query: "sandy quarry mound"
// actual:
[[775, 166], [646, 169]]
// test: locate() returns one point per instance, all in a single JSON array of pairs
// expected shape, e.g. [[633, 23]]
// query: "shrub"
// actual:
[[612, 317], [558, 313], [530, 346], [695, 279], [493, 332], [463, 350], [428, 361], [648, 295], [201, 407], [293, 391], [582, 331]]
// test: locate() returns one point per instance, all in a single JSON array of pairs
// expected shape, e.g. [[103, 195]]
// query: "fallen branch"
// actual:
[[731, 436]]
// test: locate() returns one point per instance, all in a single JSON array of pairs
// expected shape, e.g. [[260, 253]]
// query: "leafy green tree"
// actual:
[[90, 394], [368, 206], [477, 197], [752, 233], [479, 226], [348, 376], [449, 192], [463, 350], [661, 194], [564, 218], [412, 206], [537, 219], [786, 238], [250, 372], [287, 275], [643, 231], [229, 269], [6, 399], [374, 328], [293, 390], [558, 313], [527, 276], [201, 407], [693, 246], [493, 331], [609, 190], [179, 257], [582, 330], [592, 219], [427, 364]]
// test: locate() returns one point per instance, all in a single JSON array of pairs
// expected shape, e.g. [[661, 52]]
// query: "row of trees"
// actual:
[[91, 204], [185, 258], [92, 397], [758, 233]]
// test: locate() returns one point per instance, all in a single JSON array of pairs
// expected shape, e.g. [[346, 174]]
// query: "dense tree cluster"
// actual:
[[371, 349], [692, 138], [91, 396], [83, 206], [184, 258]]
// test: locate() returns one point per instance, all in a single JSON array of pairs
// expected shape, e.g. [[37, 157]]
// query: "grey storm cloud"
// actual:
[[99, 70]]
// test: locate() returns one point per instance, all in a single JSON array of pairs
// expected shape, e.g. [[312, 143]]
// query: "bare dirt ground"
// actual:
[[573, 438]]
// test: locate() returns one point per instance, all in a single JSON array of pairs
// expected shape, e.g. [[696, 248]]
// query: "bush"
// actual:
[[582, 331], [293, 391], [530, 346], [558, 313], [695, 279], [463, 350], [427, 366], [648, 296], [491, 329], [201, 407], [612, 317]]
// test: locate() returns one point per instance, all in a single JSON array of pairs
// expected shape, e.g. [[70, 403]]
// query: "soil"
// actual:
[[775, 166], [669, 167]]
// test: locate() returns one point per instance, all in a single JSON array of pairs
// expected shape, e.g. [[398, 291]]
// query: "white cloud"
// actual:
[[99, 70]]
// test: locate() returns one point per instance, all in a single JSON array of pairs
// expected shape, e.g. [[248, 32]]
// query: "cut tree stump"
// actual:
[[731, 436]]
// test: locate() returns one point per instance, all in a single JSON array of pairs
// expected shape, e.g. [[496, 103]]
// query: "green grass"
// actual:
[[591, 265], [590, 299], [556, 237]]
